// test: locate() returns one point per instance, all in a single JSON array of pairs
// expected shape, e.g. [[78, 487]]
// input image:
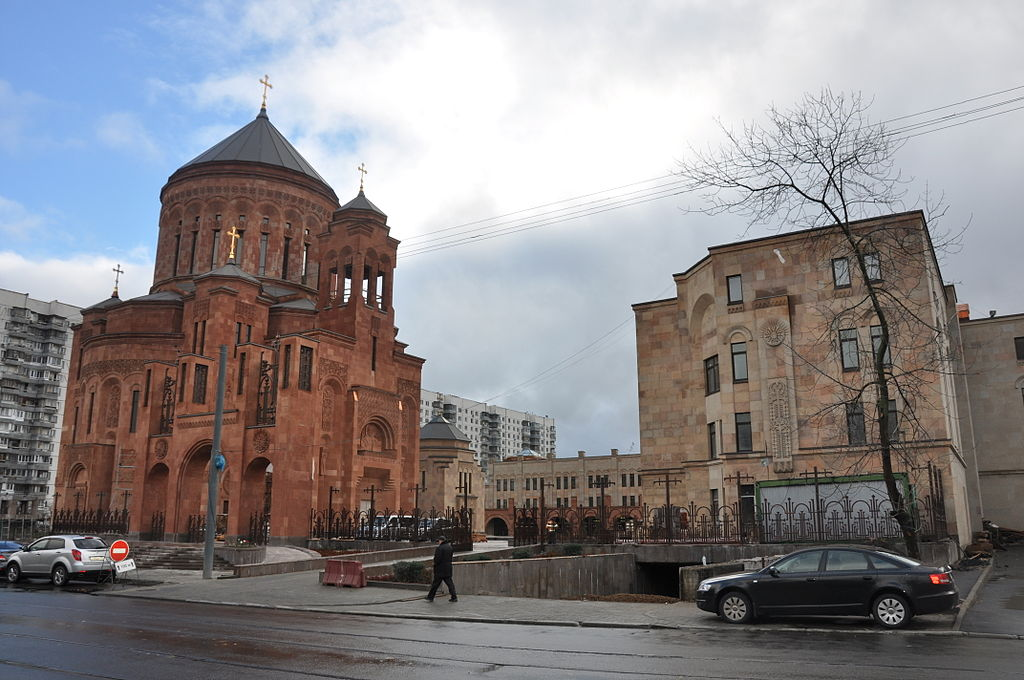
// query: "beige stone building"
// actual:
[[450, 477], [519, 482], [754, 370], [994, 363]]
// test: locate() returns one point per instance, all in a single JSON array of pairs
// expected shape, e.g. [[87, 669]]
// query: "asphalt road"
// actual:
[[49, 633]]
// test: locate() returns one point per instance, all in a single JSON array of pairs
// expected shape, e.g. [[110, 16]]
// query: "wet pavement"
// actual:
[[993, 603]]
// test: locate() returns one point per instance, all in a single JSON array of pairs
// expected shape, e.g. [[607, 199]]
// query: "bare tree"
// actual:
[[822, 166]]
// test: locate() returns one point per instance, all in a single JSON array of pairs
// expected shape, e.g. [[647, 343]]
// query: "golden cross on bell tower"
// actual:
[[266, 84], [362, 173], [235, 235], [117, 277]]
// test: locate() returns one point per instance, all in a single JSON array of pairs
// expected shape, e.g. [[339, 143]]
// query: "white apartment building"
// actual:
[[35, 341], [496, 432]]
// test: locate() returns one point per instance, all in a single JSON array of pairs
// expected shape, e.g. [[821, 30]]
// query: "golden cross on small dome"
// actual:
[[362, 173], [235, 235], [266, 84], [117, 277]]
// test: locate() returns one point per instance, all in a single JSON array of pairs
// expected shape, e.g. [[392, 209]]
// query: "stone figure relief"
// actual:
[[780, 433]]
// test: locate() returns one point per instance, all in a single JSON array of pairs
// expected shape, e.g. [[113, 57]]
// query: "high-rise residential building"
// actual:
[[496, 432], [35, 339]]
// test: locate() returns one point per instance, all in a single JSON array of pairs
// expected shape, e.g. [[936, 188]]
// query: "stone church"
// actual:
[[255, 253]]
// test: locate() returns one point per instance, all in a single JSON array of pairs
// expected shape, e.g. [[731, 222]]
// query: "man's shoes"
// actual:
[[429, 599], [454, 599]]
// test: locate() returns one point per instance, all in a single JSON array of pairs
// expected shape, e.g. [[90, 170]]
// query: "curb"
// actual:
[[576, 624], [968, 601]]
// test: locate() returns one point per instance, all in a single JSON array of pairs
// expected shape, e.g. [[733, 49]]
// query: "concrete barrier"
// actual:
[[690, 577], [548, 577]]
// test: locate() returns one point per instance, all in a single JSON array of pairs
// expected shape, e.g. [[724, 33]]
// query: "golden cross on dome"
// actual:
[[235, 235], [362, 173], [266, 84], [117, 277]]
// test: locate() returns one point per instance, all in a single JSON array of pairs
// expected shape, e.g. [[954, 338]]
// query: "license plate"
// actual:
[[96, 558]]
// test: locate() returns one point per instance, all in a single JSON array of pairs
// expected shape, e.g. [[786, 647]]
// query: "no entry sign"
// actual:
[[118, 550]]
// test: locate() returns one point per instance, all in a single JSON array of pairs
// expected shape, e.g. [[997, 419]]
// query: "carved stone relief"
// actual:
[[780, 433]]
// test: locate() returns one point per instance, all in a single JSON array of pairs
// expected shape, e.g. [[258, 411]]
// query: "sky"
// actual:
[[479, 112]]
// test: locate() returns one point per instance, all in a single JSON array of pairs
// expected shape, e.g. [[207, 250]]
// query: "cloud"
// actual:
[[18, 223], [124, 131], [81, 280]]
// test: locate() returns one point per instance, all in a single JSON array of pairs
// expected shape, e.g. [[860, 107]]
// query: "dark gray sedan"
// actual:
[[833, 581]]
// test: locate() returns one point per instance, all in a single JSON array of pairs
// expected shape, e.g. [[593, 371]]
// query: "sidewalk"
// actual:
[[302, 591]]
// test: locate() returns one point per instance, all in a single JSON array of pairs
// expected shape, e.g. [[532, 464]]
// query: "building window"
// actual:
[[199, 385], [711, 375], [714, 501], [241, 372], [744, 436], [286, 369], [894, 420], [712, 441], [284, 257], [263, 254], [134, 419], [873, 266], [841, 272], [1018, 345], [855, 424], [734, 285], [572, 482], [739, 362], [848, 349], [305, 368], [876, 345], [216, 245]]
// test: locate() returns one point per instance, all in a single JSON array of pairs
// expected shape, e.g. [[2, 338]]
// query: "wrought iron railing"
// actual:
[[90, 522], [394, 525], [845, 520]]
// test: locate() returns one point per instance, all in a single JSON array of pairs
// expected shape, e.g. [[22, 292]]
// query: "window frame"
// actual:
[[856, 432], [1018, 348], [873, 267], [846, 337], [738, 279], [836, 282], [875, 341], [712, 374], [744, 427], [746, 366]]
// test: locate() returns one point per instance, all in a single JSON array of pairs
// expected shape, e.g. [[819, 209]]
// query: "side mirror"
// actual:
[[773, 571]]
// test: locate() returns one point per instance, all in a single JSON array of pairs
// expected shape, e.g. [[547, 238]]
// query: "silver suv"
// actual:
[[62, 558]]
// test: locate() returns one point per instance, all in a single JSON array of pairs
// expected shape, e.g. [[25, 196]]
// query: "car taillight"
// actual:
[[940, 579], [77, 554]]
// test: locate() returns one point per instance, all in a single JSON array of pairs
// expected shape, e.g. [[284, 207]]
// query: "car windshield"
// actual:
[[90, 543]]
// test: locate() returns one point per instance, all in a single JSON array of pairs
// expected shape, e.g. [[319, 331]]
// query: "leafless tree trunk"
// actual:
[[823, 166]]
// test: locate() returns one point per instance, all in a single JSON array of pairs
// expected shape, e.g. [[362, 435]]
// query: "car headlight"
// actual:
[[704, 586]]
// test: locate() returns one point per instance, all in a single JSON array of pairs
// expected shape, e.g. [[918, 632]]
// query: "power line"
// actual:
[[480, 230]]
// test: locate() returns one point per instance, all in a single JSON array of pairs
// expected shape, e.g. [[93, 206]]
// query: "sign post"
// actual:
[[118, 552]]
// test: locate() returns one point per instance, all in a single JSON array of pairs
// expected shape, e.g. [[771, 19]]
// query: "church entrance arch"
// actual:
[[256, 499], [154, 503], [192, 486], [77, 492], [497, 527]]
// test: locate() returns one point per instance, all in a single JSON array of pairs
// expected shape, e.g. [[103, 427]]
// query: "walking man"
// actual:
[[443, 569]]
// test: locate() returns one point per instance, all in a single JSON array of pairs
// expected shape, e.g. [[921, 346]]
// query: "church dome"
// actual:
[[257, 142]]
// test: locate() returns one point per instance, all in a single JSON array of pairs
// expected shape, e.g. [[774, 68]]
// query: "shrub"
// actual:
[[570, 549], [521, 553], [410, 572], [475, 558]]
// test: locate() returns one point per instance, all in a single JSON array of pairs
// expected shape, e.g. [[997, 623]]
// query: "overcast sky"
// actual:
[[472, 111]]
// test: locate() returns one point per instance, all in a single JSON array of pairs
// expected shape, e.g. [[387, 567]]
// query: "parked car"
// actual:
[[843, 581], [62, 558], [7, 548]]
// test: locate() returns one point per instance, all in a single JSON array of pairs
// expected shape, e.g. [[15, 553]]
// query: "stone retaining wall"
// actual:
[[548, 577]]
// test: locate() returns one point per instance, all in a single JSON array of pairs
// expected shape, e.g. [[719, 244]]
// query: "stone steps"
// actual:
[[188, 556]]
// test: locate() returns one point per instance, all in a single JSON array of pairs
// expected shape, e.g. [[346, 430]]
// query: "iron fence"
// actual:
[[90, 522], [22, 529], [844, 520], [387, 525]]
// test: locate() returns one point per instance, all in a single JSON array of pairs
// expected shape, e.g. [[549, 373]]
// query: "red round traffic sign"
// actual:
[[118, 550]]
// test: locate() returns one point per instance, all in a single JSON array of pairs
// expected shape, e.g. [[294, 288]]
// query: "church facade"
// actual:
[[321, 406]]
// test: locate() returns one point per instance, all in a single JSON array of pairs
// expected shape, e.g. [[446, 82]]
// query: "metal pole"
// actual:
[[211, 489]]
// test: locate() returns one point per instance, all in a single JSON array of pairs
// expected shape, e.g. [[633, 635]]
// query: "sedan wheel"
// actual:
[[59, 575], [13, 572], [891, 610], [734, 607]]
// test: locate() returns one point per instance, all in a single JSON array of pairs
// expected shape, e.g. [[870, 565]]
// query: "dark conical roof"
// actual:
[[258, 142], [361, 202], [440, 427]]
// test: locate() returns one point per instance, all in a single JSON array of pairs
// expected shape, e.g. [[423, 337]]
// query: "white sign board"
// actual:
[[124, 565]]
